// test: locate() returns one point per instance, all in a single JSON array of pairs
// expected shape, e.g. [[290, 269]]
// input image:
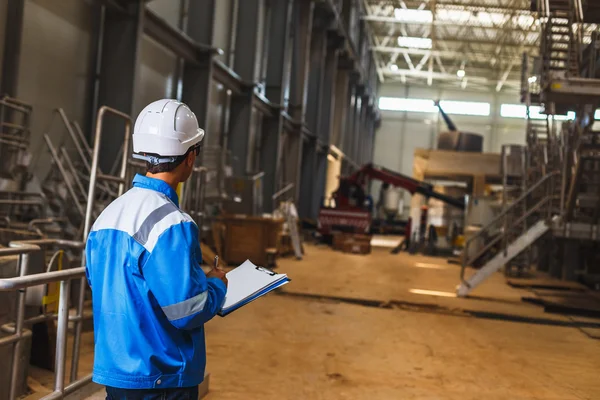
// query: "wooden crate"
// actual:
[[249, 237], [356, 247], [340, 239]]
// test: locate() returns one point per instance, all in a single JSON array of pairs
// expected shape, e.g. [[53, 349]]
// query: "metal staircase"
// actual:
[[560, 39], [511, 232]]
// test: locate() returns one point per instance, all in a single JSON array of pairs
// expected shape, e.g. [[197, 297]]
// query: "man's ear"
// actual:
[[190, 159]]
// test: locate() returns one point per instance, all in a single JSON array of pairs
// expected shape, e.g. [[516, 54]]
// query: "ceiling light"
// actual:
[[532, 79], [407, 15], [414, 42], [394, 67], [460, 73]]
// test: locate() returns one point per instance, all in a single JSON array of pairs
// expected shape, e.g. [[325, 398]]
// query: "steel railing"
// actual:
[[20, 284], [512, 222], [277, 195]]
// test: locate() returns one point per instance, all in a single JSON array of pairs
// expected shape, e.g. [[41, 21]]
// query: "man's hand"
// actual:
[[217, 273]]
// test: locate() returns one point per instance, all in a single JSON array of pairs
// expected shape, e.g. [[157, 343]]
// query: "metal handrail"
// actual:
[[495, 241], [20, 284], [280, 193], [502, 215]]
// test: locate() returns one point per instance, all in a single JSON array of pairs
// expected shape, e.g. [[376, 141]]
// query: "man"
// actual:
[[150, 297]]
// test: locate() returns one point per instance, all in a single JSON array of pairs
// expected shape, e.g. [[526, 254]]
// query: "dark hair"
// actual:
[[170, 166]]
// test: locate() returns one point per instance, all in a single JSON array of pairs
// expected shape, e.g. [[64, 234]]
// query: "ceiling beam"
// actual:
[[471, 40], [471, 24], [437, 53], [472, 5]]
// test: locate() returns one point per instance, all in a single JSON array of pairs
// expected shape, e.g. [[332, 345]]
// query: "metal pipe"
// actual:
[[89, 212], [62, 171], [16, 359], [61, 336], [24, 244], [43, 221], [95, 157], [74, 386], [78, 327], [11, 284], [14, 107], [71, 167], [20, 202], [14, 338], [280, 193], [111, 178], [10, 327], [67, 124], [82, 139]]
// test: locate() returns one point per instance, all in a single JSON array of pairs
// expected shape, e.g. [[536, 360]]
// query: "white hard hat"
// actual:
[[167, 129]]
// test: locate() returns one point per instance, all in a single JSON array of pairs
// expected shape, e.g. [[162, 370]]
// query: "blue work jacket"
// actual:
[[150, 296]]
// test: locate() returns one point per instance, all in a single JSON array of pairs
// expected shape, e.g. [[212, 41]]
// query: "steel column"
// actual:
[[307, 178], [197, 76], [247, 64], [302, 30], [325, 120], [278, 69], [318, 51], [119, 65], [340, 108], [12, 47], [250, 39]]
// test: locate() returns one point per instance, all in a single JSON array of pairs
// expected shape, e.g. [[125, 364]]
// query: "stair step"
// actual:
[[499, 260]]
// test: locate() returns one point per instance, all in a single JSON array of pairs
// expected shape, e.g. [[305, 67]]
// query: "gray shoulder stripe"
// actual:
[[187, 307], [141, 236]]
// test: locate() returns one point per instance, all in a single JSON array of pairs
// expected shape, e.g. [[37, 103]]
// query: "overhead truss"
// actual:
[[475, 43]]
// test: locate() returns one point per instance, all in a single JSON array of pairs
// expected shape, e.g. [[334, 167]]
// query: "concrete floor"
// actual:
[[420, 347]]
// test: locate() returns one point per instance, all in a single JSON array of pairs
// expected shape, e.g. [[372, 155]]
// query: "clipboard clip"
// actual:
[[266, 271]]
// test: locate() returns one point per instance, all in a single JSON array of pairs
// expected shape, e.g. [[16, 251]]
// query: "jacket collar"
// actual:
[[157, 185]]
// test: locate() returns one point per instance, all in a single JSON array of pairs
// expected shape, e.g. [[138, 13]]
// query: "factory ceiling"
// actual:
[[456, 43]]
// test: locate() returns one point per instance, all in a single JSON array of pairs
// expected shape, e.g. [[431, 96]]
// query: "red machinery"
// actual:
[[351, 212]]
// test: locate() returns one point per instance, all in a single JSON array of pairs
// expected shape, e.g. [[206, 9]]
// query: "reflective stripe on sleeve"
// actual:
[[186, 308]]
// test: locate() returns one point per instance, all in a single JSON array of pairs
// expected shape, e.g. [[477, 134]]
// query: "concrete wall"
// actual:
[[169, 10], [157, 76], [3, 4], [54, 68], [402, 132]]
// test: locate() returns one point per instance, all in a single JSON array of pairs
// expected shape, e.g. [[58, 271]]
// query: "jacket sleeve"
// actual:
[[173, 274]]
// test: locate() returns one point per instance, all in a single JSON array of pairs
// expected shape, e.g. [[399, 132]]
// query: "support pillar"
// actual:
[[340, 108], [12, 47], [277, 91], [309, 189], [197, 78], [247, 64], [302, 27], [120, 60], [326, 120]]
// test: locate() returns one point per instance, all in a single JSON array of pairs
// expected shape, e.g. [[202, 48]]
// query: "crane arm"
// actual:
[[449, 123], [399, 180]]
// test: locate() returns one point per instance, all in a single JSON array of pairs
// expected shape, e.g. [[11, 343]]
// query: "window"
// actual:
[[427, 106], [535, 112], [466, 107], [402, 104]]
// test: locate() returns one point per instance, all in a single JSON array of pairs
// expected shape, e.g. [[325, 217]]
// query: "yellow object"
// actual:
[[459, 241], [179, 190], [556, 86], [50, 300]]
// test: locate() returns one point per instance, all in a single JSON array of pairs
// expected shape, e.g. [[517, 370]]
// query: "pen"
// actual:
[[216, 266]]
